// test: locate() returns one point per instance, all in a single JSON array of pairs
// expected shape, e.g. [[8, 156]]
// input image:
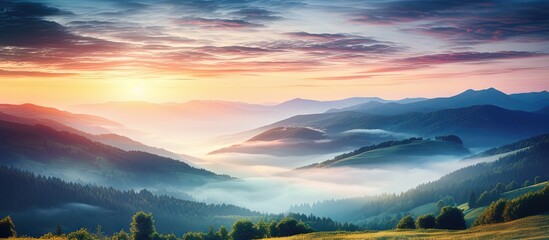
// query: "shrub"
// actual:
[[81, 234], [243, 230], [492, 214], [426, 221], [451, 218], [290, 227], [407, 222]]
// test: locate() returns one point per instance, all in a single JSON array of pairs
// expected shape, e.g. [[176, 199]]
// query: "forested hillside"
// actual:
[[516, 168], [73, 157], [39, 203]]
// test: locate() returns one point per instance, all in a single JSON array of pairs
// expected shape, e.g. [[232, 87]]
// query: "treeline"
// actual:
[[529, 204], [487, 197], [481, 177], [142, 227]]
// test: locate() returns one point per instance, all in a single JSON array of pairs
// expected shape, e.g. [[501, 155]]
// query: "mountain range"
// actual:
[[478, 126], [491, 96]]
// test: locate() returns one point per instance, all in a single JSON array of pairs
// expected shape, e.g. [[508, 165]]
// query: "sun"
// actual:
[[138, 90]]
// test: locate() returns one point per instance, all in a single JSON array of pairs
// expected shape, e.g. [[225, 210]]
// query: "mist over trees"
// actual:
[[496, 177]]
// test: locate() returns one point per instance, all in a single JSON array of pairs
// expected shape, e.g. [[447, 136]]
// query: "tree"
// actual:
[[262, 229], [81, 234], [7, 228], [243, 230], [290, 226], [511, 186], [157, 236], [492, 214], [426, 221], [99, 231], [142, 226], [407, 222], [451, 218], [527, 183], [58, 231], [440, 204], [273, 231], [122, 235], [194, 236], [537, 179], [500, 188], [472, 200], [222, 233], [210, 235], [528, 204]]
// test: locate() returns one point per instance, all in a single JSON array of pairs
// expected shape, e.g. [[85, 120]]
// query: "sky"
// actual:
[[64, 52]]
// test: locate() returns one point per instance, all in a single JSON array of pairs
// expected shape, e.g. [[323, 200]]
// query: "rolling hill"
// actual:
[[83, 122], [300, 141], [73, 157], [111, 139], [478, 126], [413, 151], [468, 98]]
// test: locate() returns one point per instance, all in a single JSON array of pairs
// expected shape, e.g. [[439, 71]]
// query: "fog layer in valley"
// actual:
[[269, 184]]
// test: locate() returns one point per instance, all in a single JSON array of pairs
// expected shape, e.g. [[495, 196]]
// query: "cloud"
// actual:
[[459, 57], [326, 44], [318, 36], [432, 60], [218, 23], [29, 37], [28, 9], [257, 14], [343, 78], [9, 73], [127, 31], [467, 21]]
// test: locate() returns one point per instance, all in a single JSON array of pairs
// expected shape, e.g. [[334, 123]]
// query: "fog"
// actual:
[[269, 184]]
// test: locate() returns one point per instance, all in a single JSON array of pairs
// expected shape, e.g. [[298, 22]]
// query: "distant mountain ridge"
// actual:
[[111, 139], [479, 125], [467, 98], [82, 122]]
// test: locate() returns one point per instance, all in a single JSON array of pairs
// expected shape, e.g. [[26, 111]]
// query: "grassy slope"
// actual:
[[518, 192], [471, 214], [534, 227], [404, 153]]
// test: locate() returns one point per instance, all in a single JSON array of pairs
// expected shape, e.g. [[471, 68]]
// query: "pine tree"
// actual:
[[58, 231], [142, 226], [7, 228]]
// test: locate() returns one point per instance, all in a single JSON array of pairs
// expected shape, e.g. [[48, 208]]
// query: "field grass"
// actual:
[[535, 227]]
